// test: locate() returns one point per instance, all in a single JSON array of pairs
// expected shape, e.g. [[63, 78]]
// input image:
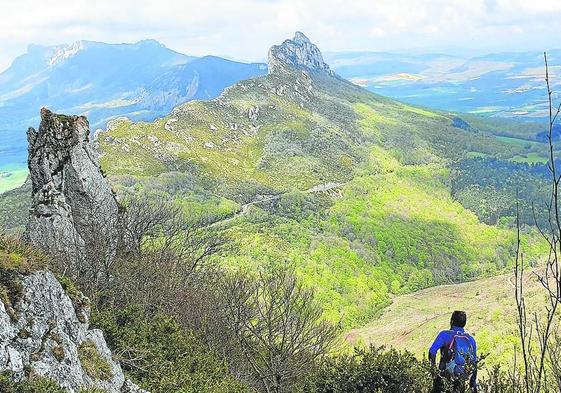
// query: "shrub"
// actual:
[[80, 302], [372, 370], [31, 385], [17, 256], [157, 352], [16, 259]]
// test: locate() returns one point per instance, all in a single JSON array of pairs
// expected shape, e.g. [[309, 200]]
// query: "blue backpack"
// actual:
[[460, 351]]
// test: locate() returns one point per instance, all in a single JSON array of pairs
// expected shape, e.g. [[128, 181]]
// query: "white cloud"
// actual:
[[246, 28]]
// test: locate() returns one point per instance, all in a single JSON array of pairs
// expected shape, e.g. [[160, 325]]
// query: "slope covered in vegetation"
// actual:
[[302, 167], [413, 320]]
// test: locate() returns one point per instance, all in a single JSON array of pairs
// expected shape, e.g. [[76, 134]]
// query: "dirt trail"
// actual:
[[320, 188]]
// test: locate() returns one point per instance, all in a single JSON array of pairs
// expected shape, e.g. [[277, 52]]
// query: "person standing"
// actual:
[[458, 356]]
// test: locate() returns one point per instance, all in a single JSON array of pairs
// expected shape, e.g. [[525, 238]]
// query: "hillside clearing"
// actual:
[[412, 321]]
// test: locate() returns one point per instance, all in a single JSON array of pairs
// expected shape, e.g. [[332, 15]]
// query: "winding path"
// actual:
[[320, 188]]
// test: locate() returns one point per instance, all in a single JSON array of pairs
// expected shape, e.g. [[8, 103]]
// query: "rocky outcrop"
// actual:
[[298, 52], [45, 331], [72, 203], [47, 334]]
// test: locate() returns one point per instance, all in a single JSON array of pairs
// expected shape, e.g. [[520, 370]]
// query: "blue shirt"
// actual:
[[443, 340]]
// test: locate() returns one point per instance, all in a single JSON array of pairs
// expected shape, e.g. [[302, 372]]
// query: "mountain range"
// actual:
[[351, 187], [142, 81], [146, 80]]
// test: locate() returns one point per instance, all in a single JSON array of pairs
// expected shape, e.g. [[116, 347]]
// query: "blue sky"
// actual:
[[244, 29]]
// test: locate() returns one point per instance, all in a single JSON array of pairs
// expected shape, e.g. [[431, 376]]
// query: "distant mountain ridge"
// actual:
[[506, 84], [142, 81]]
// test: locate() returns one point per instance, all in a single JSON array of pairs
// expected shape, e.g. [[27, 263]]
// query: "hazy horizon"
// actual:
[[465, 53], [211, 28]]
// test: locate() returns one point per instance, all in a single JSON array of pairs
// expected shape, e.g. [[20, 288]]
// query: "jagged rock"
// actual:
[[169, 124], [154, 139], [298, 52], [253, 113], [47, 334], [72, 203]]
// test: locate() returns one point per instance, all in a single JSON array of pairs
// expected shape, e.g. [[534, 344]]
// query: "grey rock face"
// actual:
[[298, 52], [46, 336], [130, 387], [72, 203]]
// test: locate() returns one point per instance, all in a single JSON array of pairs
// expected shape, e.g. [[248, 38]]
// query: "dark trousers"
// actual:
[[438, 386]]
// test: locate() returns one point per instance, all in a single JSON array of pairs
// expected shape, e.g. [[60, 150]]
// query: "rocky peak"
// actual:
[[44, 331], [297, 52], [72, 203], [65, 52], [301, 37]]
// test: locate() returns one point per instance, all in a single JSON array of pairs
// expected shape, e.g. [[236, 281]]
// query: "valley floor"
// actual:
[[12, 176]]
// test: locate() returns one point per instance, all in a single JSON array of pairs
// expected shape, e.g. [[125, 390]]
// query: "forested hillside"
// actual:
[[301, 167]]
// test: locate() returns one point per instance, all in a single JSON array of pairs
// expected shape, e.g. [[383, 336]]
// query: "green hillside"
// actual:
[[392, 229], [304, 168]]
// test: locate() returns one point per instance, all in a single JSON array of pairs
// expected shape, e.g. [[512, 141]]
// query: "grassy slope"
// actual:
[[392, 228], [412, 321], [14, 208]]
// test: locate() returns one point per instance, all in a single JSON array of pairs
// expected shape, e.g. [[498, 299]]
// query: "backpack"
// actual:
[[460, 351]]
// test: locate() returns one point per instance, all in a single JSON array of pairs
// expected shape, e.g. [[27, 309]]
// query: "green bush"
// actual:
[[17, 256], [162, 357], [16, 259], [31, 385], [93, 363], [372, 370], [80, 302], [377, 370]]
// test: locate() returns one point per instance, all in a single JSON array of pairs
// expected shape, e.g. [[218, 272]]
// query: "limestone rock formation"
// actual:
[[72, 203], [48, 335], [299, 52], [46, 332]]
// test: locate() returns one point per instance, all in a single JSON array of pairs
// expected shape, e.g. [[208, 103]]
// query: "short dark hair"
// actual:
[[459, 319]]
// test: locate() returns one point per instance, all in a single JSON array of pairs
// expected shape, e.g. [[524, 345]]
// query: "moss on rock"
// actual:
[[93, 363]]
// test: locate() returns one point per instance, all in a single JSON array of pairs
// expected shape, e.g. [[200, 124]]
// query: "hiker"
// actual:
[[458, 356]]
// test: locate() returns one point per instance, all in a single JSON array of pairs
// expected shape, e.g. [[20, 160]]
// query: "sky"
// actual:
[[245, 29]]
